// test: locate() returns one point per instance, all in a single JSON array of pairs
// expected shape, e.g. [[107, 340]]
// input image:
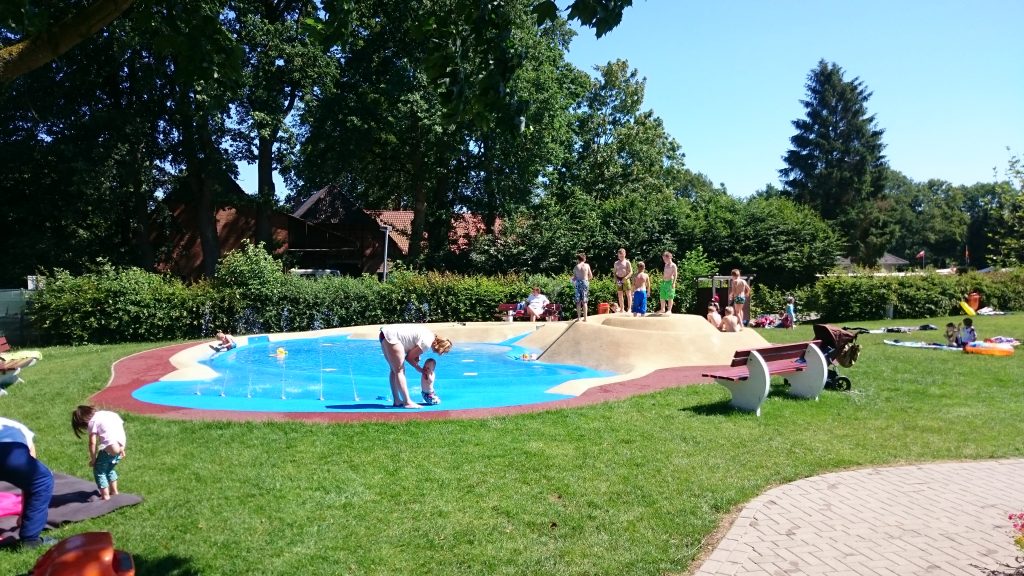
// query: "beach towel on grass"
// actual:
[[927, 345], [73, 500]]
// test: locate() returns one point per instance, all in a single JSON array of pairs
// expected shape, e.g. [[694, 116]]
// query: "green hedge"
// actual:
[[252, 295], [841, 298]]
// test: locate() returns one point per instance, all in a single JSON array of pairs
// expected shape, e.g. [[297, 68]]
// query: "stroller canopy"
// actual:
[[838, 345], [832, 336]]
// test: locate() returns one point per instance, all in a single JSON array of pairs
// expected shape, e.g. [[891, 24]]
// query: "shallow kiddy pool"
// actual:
[[338, 374]]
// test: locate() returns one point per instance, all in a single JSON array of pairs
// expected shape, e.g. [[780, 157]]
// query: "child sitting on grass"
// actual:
[[951, 334], [107, 441], [966, 333], [427, 383]]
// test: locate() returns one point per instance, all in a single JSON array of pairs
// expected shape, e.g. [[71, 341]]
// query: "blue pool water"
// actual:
[[335, 373]]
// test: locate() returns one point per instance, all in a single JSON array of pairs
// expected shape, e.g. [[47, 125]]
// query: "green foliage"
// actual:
[[252, 295], [694, 264], [250, 279], [840, 298], [836, 164], [783, 243], [111, 305], [1008, 247], [765, 299]]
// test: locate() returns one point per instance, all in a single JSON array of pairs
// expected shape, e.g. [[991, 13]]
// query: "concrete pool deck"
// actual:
[[647, 354]]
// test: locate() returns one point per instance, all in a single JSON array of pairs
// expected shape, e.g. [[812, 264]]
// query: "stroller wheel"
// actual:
[[843, 383]]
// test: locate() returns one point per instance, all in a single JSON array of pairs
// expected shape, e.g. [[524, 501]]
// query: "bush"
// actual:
[[864, 297], [111, 305], [253, 295]]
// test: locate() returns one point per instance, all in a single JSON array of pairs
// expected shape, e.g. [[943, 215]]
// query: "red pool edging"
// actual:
[[132, 372]]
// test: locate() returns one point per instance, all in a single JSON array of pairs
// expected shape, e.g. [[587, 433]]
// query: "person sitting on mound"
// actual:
[[714, 317], [427, 377], [224, 342], [730, 321]]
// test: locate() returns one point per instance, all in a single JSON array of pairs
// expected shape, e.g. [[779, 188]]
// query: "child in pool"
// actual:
[[107, 441], [427, 383]]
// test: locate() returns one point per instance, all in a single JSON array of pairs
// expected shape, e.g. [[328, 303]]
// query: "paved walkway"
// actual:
[[913, 520]]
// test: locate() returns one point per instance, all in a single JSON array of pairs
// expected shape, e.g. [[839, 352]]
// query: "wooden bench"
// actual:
[[749, 374], [552, 311]]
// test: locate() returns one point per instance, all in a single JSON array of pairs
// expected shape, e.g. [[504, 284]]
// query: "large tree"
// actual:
[[836, 165]]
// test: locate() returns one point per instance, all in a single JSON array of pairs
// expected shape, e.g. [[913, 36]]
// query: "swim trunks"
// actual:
[[640, 302], [667, 291], [582, 291]]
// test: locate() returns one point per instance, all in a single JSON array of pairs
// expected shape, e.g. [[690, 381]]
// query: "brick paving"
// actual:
[[927, 519]]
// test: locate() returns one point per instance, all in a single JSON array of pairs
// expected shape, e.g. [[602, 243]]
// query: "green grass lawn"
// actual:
[[627, 487]]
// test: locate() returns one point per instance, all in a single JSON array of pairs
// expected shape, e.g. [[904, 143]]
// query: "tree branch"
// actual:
[[33, 52]]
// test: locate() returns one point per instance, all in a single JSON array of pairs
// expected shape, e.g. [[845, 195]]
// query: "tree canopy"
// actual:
[[445, 108]]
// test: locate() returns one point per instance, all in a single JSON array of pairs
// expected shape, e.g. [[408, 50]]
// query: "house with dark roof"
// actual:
[[329, 231], [887, 263]]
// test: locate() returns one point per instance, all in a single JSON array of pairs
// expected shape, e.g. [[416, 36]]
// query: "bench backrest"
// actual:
[[773, 353], [506, 307], [4, 346]]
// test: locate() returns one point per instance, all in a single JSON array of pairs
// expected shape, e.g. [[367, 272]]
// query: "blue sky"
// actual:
[[727, 78]]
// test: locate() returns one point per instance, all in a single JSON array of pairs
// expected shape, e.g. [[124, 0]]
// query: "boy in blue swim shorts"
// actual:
[[641, 286]]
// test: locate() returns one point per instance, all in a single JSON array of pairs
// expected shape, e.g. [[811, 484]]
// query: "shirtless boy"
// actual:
[[581, 275], [641, 286], [667, 290], [623, 270], [739, 294]]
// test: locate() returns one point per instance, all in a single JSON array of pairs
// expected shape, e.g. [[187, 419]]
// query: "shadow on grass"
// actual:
[[716, 409], [165, 566], [722, 408]]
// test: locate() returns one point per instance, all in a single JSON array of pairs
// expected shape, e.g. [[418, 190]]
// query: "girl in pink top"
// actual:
[[107, 441]]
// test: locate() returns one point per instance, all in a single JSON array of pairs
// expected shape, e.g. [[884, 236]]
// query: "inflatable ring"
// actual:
[[967, 308], [989, 349]]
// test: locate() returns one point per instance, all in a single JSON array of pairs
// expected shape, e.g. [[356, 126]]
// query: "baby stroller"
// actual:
[[839, 346]]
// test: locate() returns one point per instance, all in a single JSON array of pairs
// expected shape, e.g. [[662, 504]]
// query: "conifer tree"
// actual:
[[836, 165]]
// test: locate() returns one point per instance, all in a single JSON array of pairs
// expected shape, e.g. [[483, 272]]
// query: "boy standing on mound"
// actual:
[[641, 286], [668, 284]]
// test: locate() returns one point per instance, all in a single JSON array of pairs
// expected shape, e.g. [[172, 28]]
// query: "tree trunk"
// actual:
[[145, 258], [43, 47], [265, 193], [419, 209]]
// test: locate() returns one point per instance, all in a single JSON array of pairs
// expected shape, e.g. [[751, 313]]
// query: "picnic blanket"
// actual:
[[927, 345], [73, 500]]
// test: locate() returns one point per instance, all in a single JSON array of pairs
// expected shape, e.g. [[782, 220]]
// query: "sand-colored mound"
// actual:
[[633, 347]]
